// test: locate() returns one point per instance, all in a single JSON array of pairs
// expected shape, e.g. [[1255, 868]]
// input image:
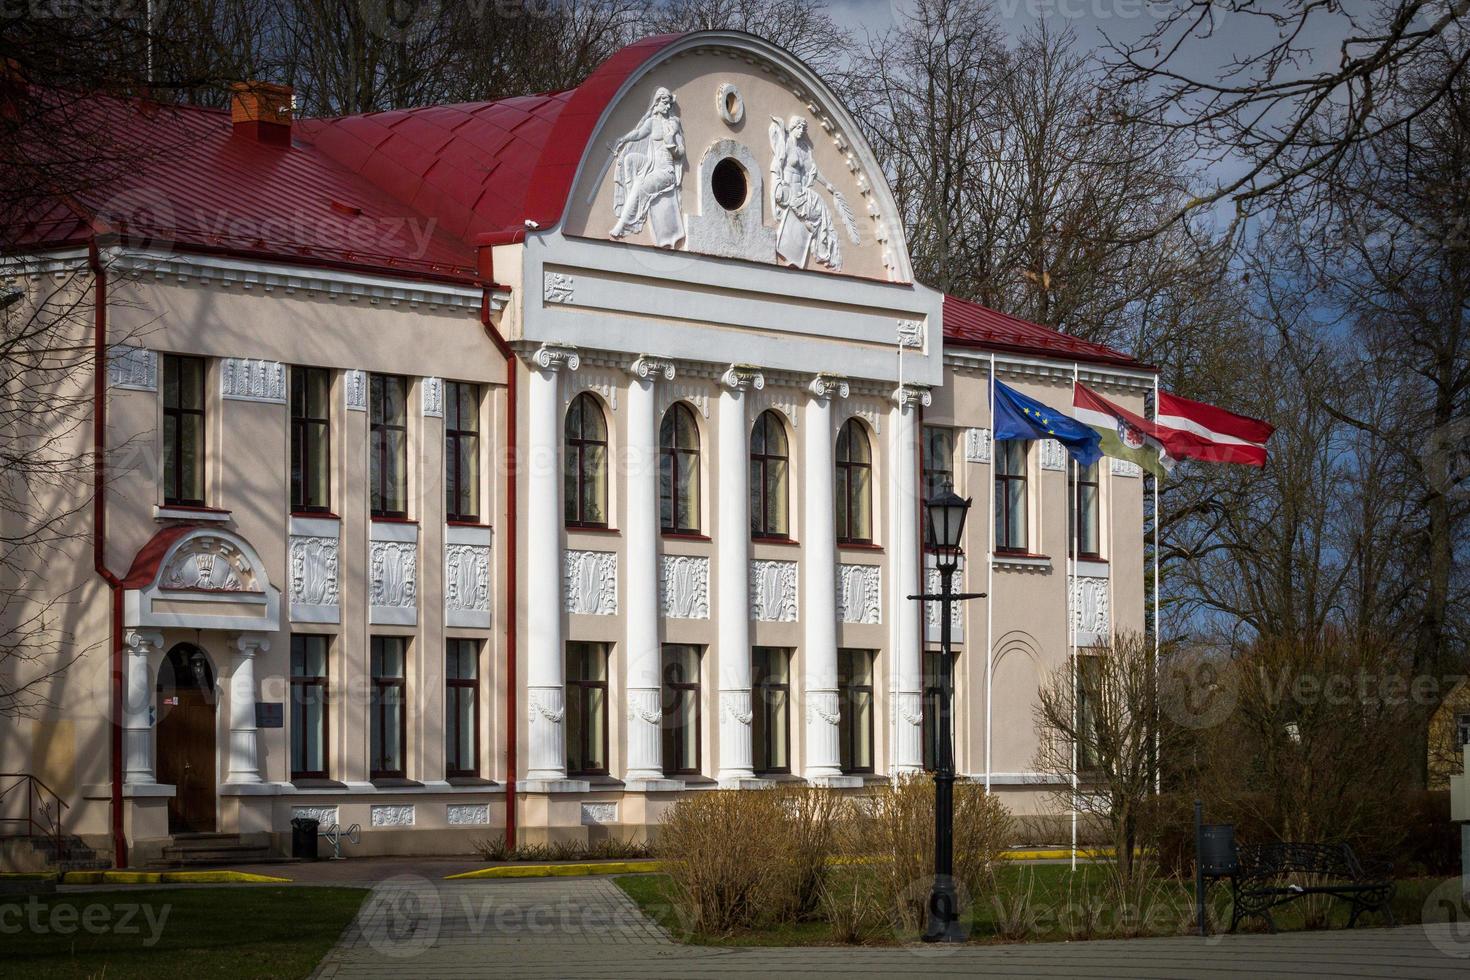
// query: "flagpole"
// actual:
[[990, 578], [1158, 763], [1073, 526]]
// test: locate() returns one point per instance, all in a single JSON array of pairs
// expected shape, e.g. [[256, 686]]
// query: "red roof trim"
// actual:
[[150, 556], [973, 325]]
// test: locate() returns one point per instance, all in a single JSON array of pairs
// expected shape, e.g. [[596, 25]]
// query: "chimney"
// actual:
[[262, 112]]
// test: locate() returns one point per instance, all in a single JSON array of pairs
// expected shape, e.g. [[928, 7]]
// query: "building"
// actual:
[[525, 466]]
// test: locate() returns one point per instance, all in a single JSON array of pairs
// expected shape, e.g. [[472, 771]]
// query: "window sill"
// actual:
[[684, 536], [389, 519], [480, 524], [470, 781], [858, 546], [1021, 559], [316, 515], [784, 542], [394, 782], [316, 782], [581, 529], [183, 512]]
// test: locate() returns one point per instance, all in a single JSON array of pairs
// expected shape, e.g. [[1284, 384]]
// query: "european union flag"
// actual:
[[1019, 417]]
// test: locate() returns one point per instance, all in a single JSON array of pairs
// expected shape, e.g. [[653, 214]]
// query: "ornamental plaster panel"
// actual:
[[684, 586], [773, 590], [859, 594], [248, 379], [591, 583], [134, 368], [392, 814]]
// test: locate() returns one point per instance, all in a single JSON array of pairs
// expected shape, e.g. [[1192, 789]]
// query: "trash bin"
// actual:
[[303, 838]]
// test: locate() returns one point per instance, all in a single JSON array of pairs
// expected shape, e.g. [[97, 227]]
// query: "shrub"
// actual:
[[609, 848], [810, 826]]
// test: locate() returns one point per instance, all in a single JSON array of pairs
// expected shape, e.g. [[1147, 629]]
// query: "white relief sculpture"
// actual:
[[557, 287], [729, 104], [911, 334], [773, 591], [210, 564], [650, 716], [324, 815], [805, 228], [592, 583], [824, 707], [393, 574], [826, 386], [1125, 467], [743, 377], [652, 367], [392, 815], [931, 609], [433, 390], [466, 578], [684, 586], [977, 445], [735, 705], [313, 571], [467, 814], [1053, 455], [247, 379], [648, 172], [354, 385], [132, 367], [859, 594], [552, 357], [597, 814], [1090, 611]]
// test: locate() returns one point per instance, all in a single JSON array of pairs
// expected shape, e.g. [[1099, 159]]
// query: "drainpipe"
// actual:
[[485, 244], [99, 539]]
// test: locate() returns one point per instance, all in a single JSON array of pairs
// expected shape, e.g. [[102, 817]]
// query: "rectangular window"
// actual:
[[388, 451], [938, 460], [681, 709], [311, 440], [1089, 691], [855, 709], [771, 707], [461, 451], [1083, 516], [183, 430], [930, 732], [1010, 495], [462, 708], [386, 707], [1462, 732], [586, 709], [309, 706]]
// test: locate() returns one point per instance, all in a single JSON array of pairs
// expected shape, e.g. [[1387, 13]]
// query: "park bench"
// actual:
[[1274, 874]]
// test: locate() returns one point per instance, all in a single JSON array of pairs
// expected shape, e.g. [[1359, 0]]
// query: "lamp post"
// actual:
[[944, 530]]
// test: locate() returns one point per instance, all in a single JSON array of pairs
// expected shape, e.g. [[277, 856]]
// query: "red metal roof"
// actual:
[[968, 324]]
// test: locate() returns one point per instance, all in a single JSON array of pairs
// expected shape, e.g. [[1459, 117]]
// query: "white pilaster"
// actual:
[[137, 701], [545, 667], [732, 575], [244, 753], [819, 563], [907, 668], [645, 710]]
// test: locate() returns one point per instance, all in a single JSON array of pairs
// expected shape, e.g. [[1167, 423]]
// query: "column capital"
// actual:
[[647, 368], [743, 377], [828, 386], [249, 643], [551, 357], [910, 395], [143, 639]]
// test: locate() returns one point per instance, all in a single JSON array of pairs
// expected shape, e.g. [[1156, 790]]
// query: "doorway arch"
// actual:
[[186, 738]]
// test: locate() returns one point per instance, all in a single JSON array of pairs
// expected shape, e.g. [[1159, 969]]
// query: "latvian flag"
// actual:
[[1124, 434], [1194, 430]]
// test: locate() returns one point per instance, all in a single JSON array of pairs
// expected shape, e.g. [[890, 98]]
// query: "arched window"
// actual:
[[854, 484], [586, 463], [678, 470], [770, 463]]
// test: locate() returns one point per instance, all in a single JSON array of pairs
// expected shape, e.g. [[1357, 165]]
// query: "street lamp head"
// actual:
[[946, 526]]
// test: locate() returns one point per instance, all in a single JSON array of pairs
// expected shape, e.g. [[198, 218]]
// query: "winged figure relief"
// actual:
[[805, 227]]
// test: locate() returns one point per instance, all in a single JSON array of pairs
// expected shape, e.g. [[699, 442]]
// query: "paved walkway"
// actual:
[[587, 927]]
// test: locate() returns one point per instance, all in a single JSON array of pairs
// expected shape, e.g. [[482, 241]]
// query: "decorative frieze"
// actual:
[[859, 594], [1125, 467], [684, 586], [1090, 609], [314, 579], [467, 814], [392, 814], [932, 613], [599, 814], [251, 380], [324, 815], [592, 583], [393, 582], [977, 445], [1053, 455], [209, 564], [558, 287], [433, 397], [911, 334], [467, 585], [354, 388], [135, 368], [773, 591]]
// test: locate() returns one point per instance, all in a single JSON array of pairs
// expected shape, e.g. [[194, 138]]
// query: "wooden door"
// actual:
[[186, 759]]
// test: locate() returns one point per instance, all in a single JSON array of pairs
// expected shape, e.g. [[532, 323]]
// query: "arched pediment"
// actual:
[[200, 577], [723, 144]]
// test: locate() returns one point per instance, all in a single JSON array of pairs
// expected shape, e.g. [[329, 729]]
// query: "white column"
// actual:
[[907, 667], [244, 754], [545, 663], [645, 709], [137, 703], [819, 564], [732, 575]]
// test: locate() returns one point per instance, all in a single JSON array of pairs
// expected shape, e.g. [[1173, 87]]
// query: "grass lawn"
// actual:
[[173, 932], [1042, 903]]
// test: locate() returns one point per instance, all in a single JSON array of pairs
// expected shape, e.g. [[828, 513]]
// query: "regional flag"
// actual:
[[1194, 430], [1124, 435], [1020, 417]]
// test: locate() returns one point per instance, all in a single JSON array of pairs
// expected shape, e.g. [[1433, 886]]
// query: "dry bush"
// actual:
[[896, 829], [810, 827], [851, 907]]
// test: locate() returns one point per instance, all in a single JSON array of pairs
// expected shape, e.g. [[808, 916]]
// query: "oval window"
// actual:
[[729, 184]]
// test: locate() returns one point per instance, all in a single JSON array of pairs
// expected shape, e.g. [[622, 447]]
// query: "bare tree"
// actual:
[[803, 27]]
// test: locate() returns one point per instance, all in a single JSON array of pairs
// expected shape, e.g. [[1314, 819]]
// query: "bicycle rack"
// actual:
[[335, 833]]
